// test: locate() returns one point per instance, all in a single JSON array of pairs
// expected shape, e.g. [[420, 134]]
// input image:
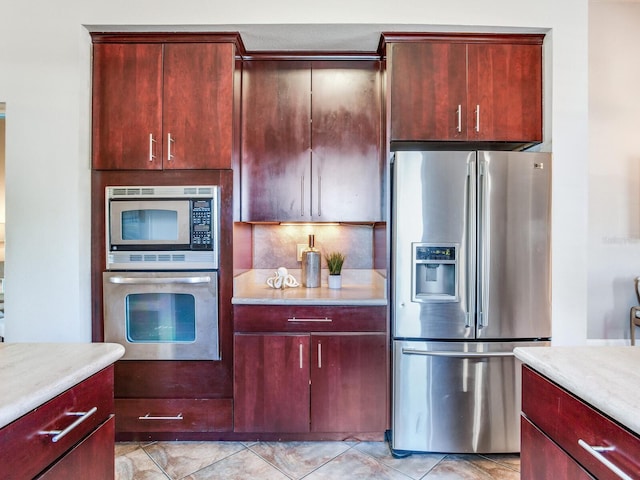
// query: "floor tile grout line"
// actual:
[[162, 470], [213, 463], [400, 471], [502, 464]]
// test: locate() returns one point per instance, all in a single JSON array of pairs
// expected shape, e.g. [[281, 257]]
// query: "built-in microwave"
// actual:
[[162, 227]]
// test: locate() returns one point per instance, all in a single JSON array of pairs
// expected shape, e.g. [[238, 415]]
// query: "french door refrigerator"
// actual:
[[470, 282]]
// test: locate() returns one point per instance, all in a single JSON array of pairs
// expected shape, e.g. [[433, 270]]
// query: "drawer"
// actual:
[[93, 454], [152, 415], [297, 318], [567, 420], [25, 450]]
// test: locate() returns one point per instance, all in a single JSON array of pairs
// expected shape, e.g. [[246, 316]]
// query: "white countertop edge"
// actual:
[[605, 377], [31, 374]]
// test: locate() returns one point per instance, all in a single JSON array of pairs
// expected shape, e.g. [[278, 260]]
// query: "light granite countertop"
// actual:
[[359, 287], [33, 373], [607, 378]]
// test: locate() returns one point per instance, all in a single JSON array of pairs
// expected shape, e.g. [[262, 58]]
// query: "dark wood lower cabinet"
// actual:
[[272, 383], [562, 436], [543, 459], [321, 383], [95, 454], [348, 391]]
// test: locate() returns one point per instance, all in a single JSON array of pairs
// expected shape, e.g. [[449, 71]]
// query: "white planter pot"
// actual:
[[335, 281]]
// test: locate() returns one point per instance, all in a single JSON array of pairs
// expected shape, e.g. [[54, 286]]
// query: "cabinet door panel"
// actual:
[[271, 383], [428, 84], [505, 80], [348, 383], [198, 105], [346, 139], [541, 458], [127, 106], [93, 454], [276, 135]]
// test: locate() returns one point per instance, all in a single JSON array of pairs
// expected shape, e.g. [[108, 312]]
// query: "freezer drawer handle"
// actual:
[[153, 280], [413, 351], [596, 452]]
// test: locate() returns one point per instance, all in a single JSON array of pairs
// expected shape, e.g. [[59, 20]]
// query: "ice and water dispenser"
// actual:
[[435, 272]]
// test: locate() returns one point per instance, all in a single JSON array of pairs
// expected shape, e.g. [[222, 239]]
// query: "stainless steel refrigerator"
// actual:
[[470, 282]]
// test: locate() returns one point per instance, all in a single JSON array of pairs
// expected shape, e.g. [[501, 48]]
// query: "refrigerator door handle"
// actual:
[[484, 242], [470, 240], [451, 354]]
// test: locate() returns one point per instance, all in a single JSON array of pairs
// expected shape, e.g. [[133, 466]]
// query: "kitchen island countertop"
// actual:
[[359, 287], [31, 374], [607, 377]]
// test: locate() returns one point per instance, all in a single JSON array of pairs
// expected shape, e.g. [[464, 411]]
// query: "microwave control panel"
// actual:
[[201, 234]]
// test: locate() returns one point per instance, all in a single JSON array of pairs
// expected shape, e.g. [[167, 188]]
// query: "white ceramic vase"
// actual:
[[335, 281]]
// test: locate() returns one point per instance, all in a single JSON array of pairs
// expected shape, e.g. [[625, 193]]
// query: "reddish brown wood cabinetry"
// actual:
[[311, 141], [324, 380], [162, 105], [465, 88], [558, 429], [26, 452]]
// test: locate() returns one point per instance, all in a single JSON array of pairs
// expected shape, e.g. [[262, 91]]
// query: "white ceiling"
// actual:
[[305, 37]]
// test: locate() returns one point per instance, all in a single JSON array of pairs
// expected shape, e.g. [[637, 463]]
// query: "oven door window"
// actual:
[[160, 317]]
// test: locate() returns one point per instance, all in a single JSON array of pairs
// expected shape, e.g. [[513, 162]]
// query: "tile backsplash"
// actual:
[[275, 245]]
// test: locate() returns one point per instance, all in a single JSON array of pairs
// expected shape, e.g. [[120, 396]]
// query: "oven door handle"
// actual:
[[159, 280]]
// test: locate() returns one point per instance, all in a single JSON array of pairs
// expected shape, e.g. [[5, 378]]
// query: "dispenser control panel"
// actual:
[[435, 272]]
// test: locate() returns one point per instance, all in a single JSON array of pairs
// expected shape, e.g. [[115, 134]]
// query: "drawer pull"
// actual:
[[595, 452], [58, 434], [148, 416], [294, 319]]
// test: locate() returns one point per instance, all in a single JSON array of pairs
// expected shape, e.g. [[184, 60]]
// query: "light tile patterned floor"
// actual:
[[298, 460]]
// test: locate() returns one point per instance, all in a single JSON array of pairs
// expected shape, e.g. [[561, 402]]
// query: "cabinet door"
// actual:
[[541, 458], [127, 106], [346, 138], [349, 383], [505, 84], [271, 383], [428, 86], [276, 135], [93, 454], [198, 105]]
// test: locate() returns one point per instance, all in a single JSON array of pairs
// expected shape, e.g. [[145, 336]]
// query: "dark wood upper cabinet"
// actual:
[[162, 105], [465, 88], [311, 141]]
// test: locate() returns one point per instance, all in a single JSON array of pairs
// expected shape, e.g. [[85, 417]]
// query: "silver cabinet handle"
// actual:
[[151, 149], [302, 196], [58, 434], [148, 416], [301, 354], [319, 196], [478, 118], [319, 355], [169, 142], [156, 281], [459, 112], [435, 353], [595, 452], [325, 319]]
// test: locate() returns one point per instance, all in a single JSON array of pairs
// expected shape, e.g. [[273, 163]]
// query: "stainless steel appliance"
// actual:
[[162, 315], [162, 227], [471, 281]]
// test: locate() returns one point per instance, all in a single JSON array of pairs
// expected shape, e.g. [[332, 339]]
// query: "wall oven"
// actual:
[[162, 315], [160, 290], [162, 227]]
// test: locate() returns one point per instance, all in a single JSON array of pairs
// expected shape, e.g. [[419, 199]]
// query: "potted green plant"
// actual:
[[335, 260]]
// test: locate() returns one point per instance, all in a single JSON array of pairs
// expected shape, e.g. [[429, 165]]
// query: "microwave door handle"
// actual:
[[155, 281]]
